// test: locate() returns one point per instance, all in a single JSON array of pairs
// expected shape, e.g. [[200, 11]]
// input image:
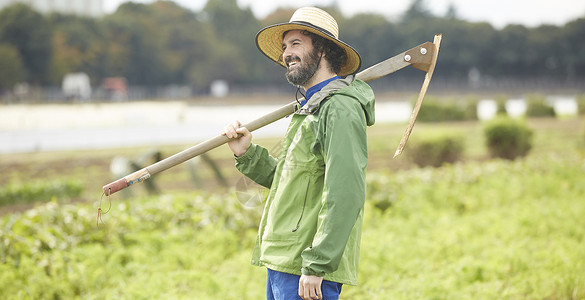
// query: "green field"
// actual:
[[477, 229]]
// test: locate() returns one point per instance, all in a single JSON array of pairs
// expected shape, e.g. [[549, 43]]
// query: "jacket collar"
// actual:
[[314, 102]]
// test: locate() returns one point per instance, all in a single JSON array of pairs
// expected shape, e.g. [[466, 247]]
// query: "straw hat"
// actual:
[[312, 19]]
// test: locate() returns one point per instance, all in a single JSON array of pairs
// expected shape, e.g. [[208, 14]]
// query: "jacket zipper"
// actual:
[[303, 210]]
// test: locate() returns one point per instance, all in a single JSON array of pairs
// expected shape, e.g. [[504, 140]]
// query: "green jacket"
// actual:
[[313, 214]]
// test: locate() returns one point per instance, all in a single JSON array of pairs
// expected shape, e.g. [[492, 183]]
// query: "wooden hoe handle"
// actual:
[[421, 57]]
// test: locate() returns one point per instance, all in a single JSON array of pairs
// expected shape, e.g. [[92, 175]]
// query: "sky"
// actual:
[[499, 13]]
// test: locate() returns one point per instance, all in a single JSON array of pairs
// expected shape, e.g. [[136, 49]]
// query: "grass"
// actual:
[[490, 230], [479, 229]]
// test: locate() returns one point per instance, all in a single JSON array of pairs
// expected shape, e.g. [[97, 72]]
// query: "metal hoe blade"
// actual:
[[430, 69]]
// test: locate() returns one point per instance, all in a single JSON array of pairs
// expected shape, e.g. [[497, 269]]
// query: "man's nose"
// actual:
[[286, 54]]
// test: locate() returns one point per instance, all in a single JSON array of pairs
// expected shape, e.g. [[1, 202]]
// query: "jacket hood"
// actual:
[[348, 86]]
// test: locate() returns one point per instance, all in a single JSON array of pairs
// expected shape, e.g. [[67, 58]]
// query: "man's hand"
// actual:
[[240, 145], [310, 287]]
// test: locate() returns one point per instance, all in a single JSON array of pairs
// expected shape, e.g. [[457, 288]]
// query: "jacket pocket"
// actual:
[[288, 207], [303, 208]]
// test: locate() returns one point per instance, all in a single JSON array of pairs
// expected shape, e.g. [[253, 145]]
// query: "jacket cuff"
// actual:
[[248, 155], [307, 271]]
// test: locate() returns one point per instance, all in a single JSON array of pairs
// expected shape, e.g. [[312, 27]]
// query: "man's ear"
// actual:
[[322, 55]]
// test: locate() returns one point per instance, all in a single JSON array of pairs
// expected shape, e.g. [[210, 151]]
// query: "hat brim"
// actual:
[[269, 42]]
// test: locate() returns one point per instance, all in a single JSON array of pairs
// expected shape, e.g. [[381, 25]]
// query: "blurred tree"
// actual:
[[466, 46], [136, 45], [189, 44], [512, 48], [163, 43], [417, 24], [544, 51], [11, 67], [417, 11], [182, 39], [574, 55], [236, 29], [451, 13], [30, 34], [78, 46], [383, 39], [280, 15]]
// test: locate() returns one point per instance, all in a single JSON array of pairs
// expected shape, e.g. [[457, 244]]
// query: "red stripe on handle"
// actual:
[[115, 186]]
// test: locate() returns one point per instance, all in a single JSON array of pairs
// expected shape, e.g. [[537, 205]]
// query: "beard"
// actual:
[[306, 68]]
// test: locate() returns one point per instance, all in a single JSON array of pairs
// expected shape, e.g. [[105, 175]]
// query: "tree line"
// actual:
[[163, 43]]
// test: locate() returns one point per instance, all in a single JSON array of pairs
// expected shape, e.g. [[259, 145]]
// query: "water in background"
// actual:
[[31, 128]]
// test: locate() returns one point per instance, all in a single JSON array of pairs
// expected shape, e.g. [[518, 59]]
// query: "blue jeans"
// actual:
[[284, 286]]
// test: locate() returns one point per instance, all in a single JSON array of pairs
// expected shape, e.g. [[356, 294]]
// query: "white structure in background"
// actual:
[[88, 8], [564, 105], [516, 108], [77, 86], [219, 88], [487, 109]]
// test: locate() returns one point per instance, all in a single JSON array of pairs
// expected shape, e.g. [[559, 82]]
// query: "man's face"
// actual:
[[300, 58]]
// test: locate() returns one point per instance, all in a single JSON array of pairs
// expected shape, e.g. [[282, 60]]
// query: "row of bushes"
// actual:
[[39, 191], [505, 138], [436, 110]]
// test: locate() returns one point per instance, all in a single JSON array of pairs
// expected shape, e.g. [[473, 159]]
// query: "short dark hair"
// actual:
[[334, 54]]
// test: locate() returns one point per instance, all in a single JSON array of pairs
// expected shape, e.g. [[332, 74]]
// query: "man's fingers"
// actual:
[[315, 292], [312, 293], [231, 131], [306, 293], [309, 288], [242, 131], [319, 294], [303, 290]]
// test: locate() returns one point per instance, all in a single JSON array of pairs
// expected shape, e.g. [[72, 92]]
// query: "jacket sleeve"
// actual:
[[258, 165], [342, 134]]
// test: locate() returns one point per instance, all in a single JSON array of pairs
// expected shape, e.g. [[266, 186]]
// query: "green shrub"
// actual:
[[437, 110], [537, 107], [434, 110], [581, 104], [39, 191], [583, 135], [508, 138], [381, 191], [501, 105], [470, 108], [436, 151]]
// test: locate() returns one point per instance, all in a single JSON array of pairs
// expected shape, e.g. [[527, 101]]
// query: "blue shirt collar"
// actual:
[[317, 87]]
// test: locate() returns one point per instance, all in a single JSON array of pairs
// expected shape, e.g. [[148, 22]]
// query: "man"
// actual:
[[310, 230]]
